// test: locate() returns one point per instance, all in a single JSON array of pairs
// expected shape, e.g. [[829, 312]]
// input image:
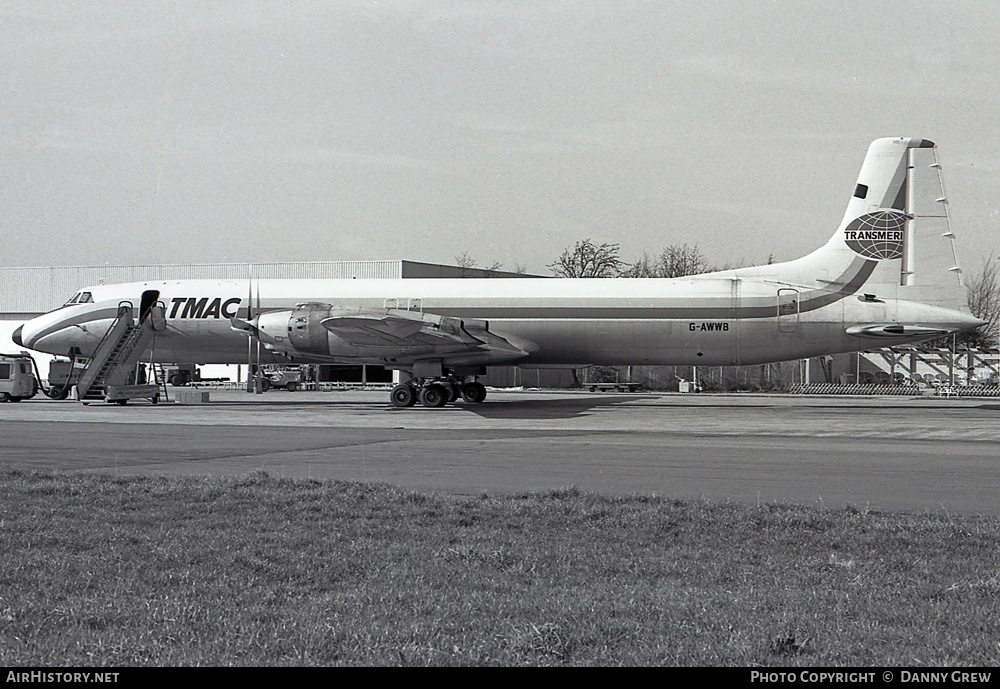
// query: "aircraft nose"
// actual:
[[16, 336]]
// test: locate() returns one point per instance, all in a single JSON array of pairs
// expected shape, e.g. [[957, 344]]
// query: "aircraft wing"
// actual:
[[409, 329], [395, 327], [372, 330]]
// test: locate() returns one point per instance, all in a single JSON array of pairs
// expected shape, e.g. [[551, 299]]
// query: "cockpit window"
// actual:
[[80, 298]]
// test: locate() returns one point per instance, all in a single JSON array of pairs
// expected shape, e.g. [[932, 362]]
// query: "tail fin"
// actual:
[[895, 239]]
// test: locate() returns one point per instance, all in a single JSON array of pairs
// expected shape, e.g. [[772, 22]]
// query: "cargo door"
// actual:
[[788, 310]]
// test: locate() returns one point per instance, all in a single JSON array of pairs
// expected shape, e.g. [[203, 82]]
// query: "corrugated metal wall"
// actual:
[[41, 289]]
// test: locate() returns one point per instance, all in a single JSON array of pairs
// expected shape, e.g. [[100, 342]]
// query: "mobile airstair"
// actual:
[[114, 373]]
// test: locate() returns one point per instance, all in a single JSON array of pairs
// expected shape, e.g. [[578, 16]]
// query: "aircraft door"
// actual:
[[788, 310], [150, 298]]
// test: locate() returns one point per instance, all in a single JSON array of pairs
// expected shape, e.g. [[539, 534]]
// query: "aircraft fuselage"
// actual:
[[716, 319]]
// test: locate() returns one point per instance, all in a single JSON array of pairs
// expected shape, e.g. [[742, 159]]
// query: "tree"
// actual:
[[467, 264], [678, 261], [674, 261], [588, 260], [983, 291], [645, 267], [492, 269]]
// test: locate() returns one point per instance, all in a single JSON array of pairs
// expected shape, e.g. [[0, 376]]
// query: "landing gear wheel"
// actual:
[[474, 392], [434, 395], [404, 395]]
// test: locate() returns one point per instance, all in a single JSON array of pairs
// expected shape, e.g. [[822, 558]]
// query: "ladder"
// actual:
[[110, 375], [160, 378]]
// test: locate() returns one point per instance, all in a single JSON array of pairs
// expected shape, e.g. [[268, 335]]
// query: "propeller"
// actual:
[[258, 380], [251, 328]]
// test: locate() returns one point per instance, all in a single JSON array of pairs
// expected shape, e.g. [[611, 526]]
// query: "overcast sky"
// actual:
[[178, 132]]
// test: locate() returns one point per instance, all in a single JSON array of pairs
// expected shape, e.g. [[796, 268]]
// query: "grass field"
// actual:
[[110, 571]]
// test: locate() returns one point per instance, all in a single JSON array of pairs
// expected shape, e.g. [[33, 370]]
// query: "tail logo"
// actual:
[[877, 235]]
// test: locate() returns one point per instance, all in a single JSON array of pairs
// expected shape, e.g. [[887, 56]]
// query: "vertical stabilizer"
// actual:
[[895, 239]]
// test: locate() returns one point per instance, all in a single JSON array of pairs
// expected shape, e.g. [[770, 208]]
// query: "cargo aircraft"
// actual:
[[887, 276]]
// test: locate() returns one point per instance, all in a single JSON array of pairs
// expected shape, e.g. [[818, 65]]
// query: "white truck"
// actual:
[[17, 378]]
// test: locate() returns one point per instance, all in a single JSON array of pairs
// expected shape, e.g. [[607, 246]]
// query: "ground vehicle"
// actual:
[[60, 371], [289, 380], [17, 378], [180, 375]]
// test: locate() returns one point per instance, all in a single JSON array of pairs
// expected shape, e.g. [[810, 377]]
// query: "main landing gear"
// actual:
[[436, 392]]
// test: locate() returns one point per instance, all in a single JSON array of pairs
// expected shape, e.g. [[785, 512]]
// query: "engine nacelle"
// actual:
[[272, 329], [298, 331], [305, 330]]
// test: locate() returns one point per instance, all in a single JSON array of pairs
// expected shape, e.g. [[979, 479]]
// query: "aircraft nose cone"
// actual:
[[16, 336]]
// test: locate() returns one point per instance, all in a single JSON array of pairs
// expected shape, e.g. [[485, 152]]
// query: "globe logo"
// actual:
[[877, 235]]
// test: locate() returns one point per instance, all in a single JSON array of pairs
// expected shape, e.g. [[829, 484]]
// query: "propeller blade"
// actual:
[[258, 388], [251, 375], [243, 326]]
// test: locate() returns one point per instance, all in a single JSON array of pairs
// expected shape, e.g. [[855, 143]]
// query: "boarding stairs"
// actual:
[[111, 374]]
